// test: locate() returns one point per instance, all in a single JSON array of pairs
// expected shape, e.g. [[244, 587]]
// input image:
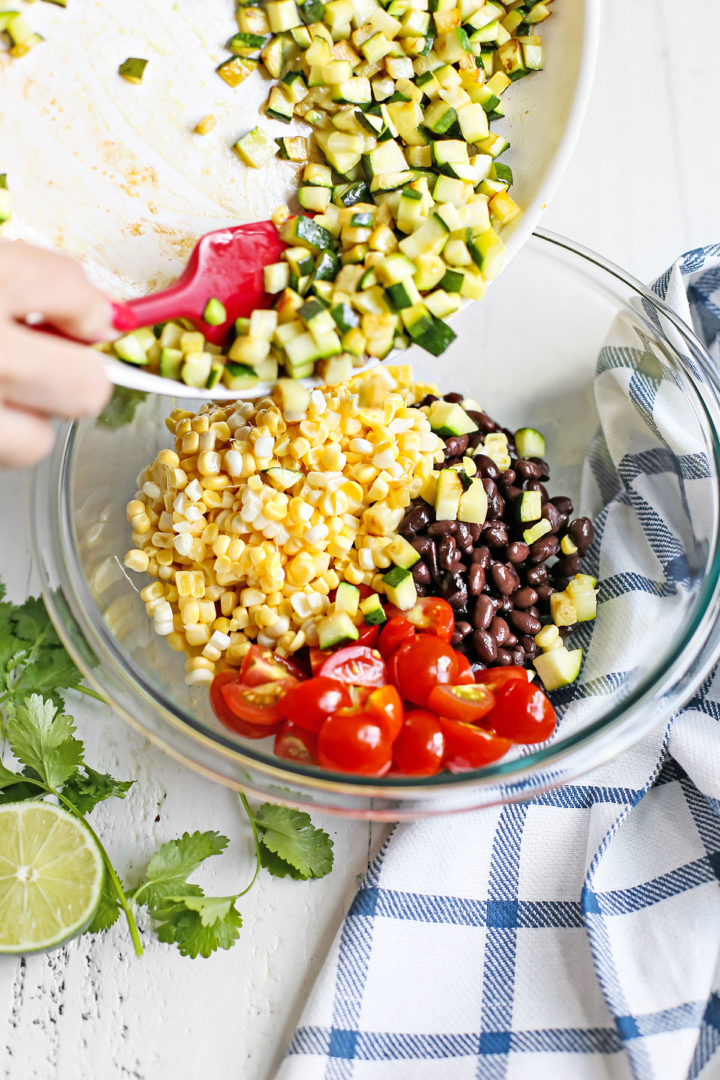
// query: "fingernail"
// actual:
[[123, 317]]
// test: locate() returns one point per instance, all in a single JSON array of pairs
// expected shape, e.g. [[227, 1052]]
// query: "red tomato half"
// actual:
[[357, 665], [465, 674], [295, 744], [368, 635], [430, 614], [467, 703], [354, 743], [317, 659], [311, 702], [263, 666], [420, 664], [522, 713], [496, 678], [262, 704], [419, 748], [470, 747], [225, 714], [385, 706], [393, 633]]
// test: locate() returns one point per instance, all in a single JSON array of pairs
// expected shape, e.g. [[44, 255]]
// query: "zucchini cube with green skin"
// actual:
[[488, 253], [131, 69], [473, 504], [400, 588], [255, 149], [215, 313], [239, 376], [402, 553], [528, 507], [372, 610], [529, 443], [436, 338], [236, 70], [305, 232], [276, 277], [171, 361], [133, 348], [448, 419], [447, 495], [535, 532], [196, 369], [336, 630], [559, 667], [282, 15]]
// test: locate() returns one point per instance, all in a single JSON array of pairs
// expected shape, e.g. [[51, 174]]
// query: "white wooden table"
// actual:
[[642, 188]]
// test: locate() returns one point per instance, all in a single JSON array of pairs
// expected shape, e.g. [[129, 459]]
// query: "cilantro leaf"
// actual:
[[32, 657], [192, 930], [108, 910], [291, 835], [277, 866], [43, 739], [169, 867], [14, 787], [87, 788]]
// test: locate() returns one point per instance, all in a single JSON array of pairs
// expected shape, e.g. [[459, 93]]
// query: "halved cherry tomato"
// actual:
[[263, 666], [431, 614], [367, 635], [225, 714], [296, 744], [420, 746], [393, 633], [317, 659], [522, 713], [470, 747], [420, 664], [467, 703], [355, 743], [311, 702], [385, 706], [497, 677], [356, 664], [262, 704], [465, 674]]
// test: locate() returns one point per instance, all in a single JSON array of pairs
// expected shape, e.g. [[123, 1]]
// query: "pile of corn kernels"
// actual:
[[243, 553]]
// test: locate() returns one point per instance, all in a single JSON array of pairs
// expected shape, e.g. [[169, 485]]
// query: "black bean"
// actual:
[[517, 552], [481, 556], [486, 466], [421, 573], [582, 533], [415, 520], [502, 579], [483, 612], [463, 628], [568, 566], [535, 485], [524, 598], [504, 657], [464, 538], [530, 646], [422, 545], [485, 646], [495, 534], [563, 504], [544, 548], [524, 623], [483, 421], [507, 478], [474, 531], [534, 611], [553, 515], [499, 630], [528, 470], [456, 446], [536, 575], [448, 554], [429, 398], [432, 561], [544, 593], [443, 528], [543, 466], [518, 656], [505, 605], [454, 398], [476, 579], [455, 590], [512, 492]]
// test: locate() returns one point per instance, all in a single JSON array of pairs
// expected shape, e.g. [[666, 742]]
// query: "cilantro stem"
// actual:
[[91, 693], [119, 891], [253, 826]]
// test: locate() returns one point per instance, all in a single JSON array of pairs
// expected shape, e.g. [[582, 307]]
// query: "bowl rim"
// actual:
[[632, 717]]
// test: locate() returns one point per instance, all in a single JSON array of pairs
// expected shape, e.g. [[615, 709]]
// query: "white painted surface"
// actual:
[[641, 188]]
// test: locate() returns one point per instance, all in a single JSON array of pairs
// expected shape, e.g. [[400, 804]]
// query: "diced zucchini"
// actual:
[[402, 553], [215, 313], [559, 667], [400, 588], [347, 599], [528, 507], [236, 70], [255, 149], [529, 443], [307, 233], [336, 630], [171, 361], [372, 610], [535, 532], [447, 495], [473, 504], [449, 418], [131, 69], [239, 376]]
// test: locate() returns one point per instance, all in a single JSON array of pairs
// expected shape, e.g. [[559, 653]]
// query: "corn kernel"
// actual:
[[197, 635], [137, 560]]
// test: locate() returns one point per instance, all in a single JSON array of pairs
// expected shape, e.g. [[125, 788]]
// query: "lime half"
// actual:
[[51, 876]]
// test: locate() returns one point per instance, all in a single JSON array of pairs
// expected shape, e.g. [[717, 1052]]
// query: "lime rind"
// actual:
[[51, 877]]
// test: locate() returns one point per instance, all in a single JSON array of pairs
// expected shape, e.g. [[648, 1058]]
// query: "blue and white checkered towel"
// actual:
[[577, 936]]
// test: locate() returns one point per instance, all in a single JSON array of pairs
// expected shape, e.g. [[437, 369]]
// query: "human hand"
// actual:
[[40, 375]]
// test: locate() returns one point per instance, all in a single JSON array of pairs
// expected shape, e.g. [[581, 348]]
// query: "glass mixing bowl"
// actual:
[[528, 354]]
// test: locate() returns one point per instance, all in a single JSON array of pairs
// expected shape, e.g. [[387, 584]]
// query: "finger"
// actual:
[[33, 280], [25, 437], [49, 375]]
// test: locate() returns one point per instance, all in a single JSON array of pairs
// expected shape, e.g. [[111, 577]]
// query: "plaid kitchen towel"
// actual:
[[575, 936]]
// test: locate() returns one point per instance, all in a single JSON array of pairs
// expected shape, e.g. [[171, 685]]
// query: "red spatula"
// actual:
[[226, 264]]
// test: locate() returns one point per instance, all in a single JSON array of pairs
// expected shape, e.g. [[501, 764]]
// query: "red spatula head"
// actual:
[[226, 265]]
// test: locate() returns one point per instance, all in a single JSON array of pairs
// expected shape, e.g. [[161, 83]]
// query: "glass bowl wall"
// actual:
[[528, 354]]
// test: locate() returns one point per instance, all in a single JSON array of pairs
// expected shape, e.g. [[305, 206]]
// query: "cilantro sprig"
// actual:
[[48, 760]]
